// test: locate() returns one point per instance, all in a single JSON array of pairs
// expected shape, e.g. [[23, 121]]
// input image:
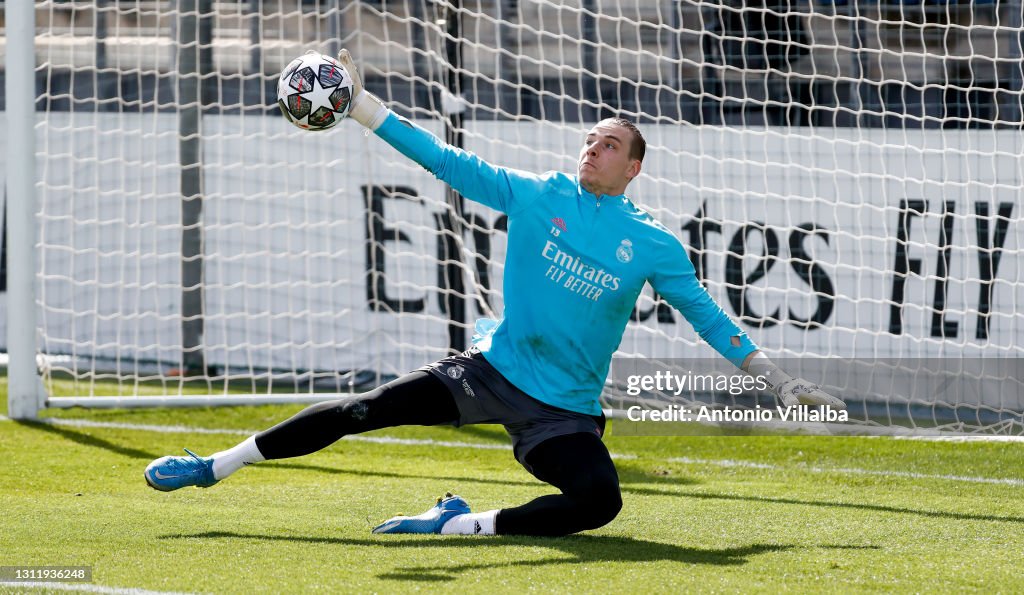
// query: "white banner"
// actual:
[[844, 242]]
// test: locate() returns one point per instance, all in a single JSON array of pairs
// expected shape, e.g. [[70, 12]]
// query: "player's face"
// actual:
[[605, 166]]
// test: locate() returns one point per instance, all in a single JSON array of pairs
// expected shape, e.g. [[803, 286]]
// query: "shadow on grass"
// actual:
[[575, 549], [938, 514], [88, 440], [630, 477]]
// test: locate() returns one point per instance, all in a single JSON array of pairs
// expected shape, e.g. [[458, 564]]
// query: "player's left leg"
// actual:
[[418, 398]]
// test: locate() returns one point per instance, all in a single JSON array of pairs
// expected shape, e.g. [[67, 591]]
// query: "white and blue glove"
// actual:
[[791, 391], [367, 108]]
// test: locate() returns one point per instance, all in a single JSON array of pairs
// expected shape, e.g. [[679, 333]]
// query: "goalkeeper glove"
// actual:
[[791, 391], [367, 108]]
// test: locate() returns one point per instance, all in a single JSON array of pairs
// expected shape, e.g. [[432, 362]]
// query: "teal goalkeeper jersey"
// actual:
[[575, 266]]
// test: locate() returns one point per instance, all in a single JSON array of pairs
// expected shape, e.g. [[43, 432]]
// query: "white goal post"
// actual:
[[846, 176]]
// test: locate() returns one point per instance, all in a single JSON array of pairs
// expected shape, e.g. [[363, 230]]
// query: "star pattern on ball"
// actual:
[[319, 96]]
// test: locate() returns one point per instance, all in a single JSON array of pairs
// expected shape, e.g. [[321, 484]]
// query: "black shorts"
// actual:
[[484, 396]]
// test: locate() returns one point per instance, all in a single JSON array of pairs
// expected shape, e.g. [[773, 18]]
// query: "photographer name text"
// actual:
[[703, 413]]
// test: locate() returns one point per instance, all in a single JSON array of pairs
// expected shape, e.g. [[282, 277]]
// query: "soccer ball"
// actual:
[[315, 91]]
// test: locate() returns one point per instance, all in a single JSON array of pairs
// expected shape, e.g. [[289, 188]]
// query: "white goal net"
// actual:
[[845, 175]]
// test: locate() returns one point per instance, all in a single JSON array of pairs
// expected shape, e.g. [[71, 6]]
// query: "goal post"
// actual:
[[24, 390], [845, 176]]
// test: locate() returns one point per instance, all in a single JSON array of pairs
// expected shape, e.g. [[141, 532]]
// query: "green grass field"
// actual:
[[738, 514]]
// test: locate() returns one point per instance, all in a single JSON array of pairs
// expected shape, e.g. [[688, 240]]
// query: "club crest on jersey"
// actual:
[[625, 251], [455, 372]]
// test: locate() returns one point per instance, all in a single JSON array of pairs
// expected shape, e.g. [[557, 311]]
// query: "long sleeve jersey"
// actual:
[[575, 266]]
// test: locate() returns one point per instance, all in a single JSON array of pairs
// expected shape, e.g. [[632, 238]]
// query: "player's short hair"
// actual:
[[638, 147]]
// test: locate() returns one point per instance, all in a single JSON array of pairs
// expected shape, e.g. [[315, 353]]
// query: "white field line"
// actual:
[[967, 438], [86, 423], [845, 471], [454, 444], [83, 588]]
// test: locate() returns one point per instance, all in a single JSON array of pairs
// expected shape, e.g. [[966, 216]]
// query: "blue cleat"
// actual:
[[431, 521], [170, 473]]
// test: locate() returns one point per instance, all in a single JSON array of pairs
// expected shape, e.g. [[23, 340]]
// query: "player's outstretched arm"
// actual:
[[791, 391], [500, 188], [675, 279]]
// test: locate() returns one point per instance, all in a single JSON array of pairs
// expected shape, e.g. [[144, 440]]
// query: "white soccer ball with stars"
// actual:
[[315, 91]]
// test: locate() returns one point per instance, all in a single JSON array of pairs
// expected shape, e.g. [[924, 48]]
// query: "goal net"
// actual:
[[845, 175]]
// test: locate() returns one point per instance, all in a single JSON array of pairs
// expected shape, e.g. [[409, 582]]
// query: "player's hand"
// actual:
[[797, 391], [346, 60], [367, 108], [791, 391]]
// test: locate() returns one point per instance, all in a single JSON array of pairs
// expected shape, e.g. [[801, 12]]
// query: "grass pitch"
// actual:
[[721, 514]]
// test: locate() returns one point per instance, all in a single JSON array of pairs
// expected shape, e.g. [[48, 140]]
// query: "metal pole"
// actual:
[[504, 99], [255, 36], [208, 87], [191, 177], [453, 286], [420, 97], [24, 394], [1014, 107], [712, 88], [589, 62], [334, 28], [106, 81], [101, 35], [859, 31]]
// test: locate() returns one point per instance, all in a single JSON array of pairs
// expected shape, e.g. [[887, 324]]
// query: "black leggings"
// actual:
[[416, 399], [577, 464]]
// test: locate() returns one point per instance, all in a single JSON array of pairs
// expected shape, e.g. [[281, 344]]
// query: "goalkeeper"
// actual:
[[579, 253]]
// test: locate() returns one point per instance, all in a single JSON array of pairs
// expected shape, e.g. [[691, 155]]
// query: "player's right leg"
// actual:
[[418, 398], [580, 466]]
